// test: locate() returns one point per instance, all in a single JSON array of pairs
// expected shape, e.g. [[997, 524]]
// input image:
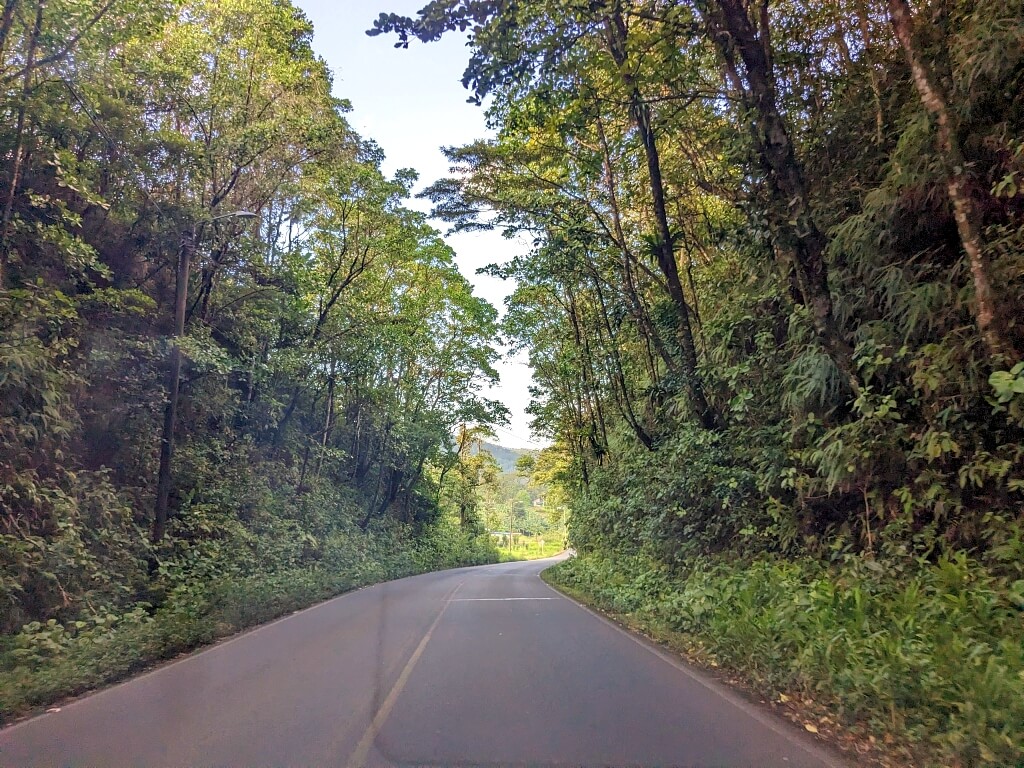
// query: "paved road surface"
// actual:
[[471, 667]]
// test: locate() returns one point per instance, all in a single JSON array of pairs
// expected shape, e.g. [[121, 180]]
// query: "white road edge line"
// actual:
[[770, 721], [497, 599]]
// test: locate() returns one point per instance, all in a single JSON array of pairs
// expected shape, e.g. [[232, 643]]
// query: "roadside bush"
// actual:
[[697, 493], [448, 545], [930, 652]]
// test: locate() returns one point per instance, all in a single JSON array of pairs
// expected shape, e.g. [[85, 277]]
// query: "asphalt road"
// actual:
[[470, 667]]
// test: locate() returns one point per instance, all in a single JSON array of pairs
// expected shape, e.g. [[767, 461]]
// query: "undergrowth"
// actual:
[[928, 652], [47, 661]]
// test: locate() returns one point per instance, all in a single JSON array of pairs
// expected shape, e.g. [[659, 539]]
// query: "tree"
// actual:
[[248, 393], [702, 164]]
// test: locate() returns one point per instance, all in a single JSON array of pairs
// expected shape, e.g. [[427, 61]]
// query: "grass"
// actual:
[[532, 548], [918, 663]]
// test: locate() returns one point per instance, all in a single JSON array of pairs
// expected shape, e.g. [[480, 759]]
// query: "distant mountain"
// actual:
[[506, 457]]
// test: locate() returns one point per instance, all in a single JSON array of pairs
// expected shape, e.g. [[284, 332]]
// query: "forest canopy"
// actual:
[[777, 264]]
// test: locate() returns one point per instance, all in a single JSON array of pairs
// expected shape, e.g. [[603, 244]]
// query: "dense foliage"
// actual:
[[774, 308], [228, 351]]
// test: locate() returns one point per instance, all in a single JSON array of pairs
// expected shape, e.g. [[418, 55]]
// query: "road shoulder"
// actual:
[[684, 654]]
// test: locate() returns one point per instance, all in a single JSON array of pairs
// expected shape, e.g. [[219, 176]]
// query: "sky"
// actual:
[[411, 102]]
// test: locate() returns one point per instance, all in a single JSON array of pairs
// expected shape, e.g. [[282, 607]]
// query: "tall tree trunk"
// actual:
[[795, 224], [394, 486], [360, 459], [643, 319], [328, 420], [876, 85], [19, 132], [383, 453], [640, 113], [301, 487], [6, 23], [587, 377], [620, 388], [163, 484], [989, 315], [286, 417]]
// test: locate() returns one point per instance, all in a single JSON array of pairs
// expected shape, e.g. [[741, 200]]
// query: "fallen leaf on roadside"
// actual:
[[811, 727]]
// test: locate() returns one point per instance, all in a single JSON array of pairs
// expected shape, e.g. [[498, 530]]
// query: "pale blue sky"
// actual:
[[412, 102]]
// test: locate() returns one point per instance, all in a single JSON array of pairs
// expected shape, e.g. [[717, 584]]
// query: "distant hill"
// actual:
[[506, 457]]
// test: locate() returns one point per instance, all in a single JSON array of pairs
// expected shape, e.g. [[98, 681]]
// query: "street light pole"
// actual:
[[185, 255]]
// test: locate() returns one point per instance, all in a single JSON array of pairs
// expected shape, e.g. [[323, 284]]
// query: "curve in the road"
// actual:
[[468, 667]]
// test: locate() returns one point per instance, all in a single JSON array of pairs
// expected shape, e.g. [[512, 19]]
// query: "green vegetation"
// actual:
[[774, 312], [531, 547], [929, 653], [510, 492], [232, 361]]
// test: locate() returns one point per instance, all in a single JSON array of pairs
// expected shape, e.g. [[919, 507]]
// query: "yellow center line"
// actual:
[[358, 758]]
